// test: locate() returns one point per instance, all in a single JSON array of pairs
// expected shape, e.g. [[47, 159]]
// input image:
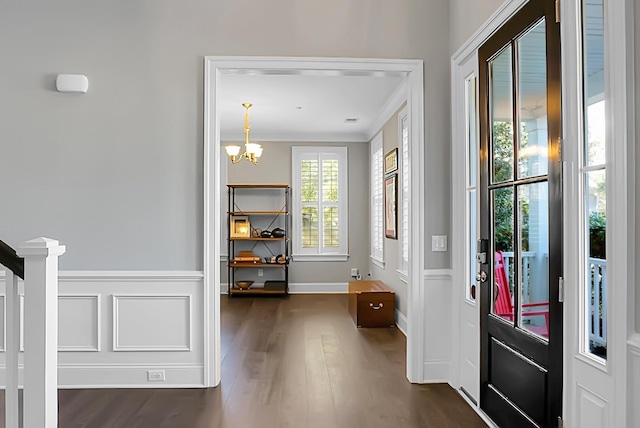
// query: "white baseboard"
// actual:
[[437, 371], [85, 376], [487, 420], [401, 322], [319, 288], [307, 288]]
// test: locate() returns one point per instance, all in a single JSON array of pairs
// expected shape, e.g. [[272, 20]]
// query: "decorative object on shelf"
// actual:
[[256, 232], [278, 233], [240, 226], [390, 203], [265, 234], [391, 161], [244, 285], [246, 256], [252, 151]]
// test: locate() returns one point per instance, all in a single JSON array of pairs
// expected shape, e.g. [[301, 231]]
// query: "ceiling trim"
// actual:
[[302, 137]]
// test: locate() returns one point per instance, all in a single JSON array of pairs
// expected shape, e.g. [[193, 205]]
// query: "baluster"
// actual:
[[603, 312], [12, 409]]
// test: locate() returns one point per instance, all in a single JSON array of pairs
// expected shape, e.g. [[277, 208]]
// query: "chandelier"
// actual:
[[252, 151]]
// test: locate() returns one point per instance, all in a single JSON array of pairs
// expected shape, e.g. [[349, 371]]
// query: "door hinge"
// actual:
[[561, 290], [557, 11], [560, 422], [560, 149]]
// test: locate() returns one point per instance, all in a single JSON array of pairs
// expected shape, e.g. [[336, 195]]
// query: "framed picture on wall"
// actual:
[[391, 161], [390, 204]]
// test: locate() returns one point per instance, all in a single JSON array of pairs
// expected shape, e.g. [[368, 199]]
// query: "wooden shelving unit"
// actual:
[[268, 246]]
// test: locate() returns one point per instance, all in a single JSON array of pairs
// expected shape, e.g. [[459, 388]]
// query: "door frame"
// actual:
[[612, 393], [460, 71], [214, 66], [622, 180]]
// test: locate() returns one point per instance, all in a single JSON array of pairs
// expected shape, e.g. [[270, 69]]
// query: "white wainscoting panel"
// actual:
[[156, 317], [438, 328], [151, 323], [633, 399], [592, 409], [79, 323]]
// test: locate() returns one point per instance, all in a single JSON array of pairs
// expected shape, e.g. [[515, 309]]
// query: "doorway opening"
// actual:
[[215, 67]]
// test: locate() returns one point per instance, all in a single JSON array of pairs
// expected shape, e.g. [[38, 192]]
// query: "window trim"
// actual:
[[297, 154], [376, 254]]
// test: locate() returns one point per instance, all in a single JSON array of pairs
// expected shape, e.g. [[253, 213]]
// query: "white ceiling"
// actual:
[[293, 105]]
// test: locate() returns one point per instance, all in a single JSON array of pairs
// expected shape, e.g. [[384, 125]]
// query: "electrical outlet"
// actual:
[[354, 271], [155, 375], [260, 272]]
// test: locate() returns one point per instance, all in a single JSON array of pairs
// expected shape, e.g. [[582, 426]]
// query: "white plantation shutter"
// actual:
[[377, 200], [403, 262], [319, 206]]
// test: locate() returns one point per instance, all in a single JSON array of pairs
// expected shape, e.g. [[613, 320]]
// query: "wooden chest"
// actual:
[[372, 304]]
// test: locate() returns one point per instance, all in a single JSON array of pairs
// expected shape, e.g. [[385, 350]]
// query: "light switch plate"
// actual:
[[438, 242]]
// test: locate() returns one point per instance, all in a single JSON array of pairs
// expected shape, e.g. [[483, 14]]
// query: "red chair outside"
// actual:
[[503, 305]]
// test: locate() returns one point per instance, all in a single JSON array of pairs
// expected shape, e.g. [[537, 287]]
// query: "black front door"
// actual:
[[520, 220]]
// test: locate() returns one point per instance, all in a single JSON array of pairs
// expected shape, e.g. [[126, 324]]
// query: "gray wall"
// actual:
[[466, 17], [275, 167], [116, 174], [388, 275]]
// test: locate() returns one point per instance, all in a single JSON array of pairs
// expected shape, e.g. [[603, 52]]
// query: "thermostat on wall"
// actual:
[[72, 83]]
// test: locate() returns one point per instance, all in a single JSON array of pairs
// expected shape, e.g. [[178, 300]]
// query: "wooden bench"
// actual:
[[372, 303]]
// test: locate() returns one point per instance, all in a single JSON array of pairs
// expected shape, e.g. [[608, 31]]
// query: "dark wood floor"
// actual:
[[296, 362]]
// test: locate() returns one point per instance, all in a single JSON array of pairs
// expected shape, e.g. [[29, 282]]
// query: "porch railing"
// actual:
[[597, 308], [597, 293], [36, 262]]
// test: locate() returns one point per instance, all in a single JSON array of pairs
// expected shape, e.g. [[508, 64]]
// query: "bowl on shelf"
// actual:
[[244, 285]]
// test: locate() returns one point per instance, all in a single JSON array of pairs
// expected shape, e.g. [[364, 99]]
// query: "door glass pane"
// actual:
[[502, 200], [473, 237], [596, 275], [533, 239], [532, 103], [501, 96], [593, 81], [472, 140]]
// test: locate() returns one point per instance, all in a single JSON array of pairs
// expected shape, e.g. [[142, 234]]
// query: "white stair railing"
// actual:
[[40, 373]]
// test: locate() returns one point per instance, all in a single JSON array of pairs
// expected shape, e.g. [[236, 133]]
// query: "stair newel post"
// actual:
[[12, 348], [41, 332]]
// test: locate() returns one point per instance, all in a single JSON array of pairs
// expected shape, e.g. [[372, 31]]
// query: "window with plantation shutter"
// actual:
[[319, 203], [403, 250], [377, 201]]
